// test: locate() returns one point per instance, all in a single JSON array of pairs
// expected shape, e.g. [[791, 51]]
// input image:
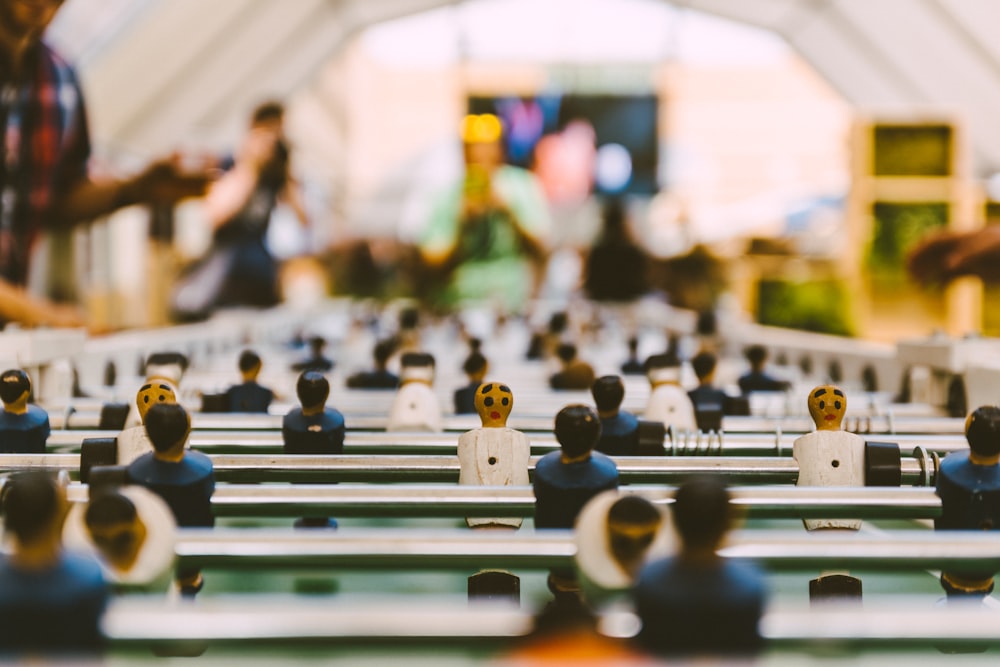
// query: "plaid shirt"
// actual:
[[45, 148]]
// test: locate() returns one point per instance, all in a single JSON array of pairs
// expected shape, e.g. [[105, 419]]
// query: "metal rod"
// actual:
[[345, 500], [256, 620], [376, 468], [475, 550], [879, 424]]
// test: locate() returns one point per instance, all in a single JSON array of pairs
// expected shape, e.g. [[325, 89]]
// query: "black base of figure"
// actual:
[[835, 588]]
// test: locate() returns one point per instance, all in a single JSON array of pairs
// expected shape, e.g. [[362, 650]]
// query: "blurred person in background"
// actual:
[[616, 267], [44, 180], [239, 269], [488, 232]]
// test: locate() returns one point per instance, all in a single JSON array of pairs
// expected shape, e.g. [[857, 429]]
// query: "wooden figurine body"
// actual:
[[566, 480], [24, 428], [415, 406], [574, 373], [494, 455], [829, 456], [132, 531], [668, 402], [969, 486], [51, 601], [313, 428], [134, 442]]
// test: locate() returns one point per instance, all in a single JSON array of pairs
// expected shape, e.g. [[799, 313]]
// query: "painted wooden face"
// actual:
[[494, 402], [152, 393], [827, 405]]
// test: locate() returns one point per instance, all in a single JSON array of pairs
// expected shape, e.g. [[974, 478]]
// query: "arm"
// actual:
[[291, 194], [17, 306]]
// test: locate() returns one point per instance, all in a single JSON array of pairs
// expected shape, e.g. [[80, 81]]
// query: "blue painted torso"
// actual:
[[24, 434], [619, 435], [316, 434], [53, 610], [562, 489], [186, 486], [249, 397], [687, 608], [465, 399]]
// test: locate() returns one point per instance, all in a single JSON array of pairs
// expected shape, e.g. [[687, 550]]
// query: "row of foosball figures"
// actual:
[[39, 577]]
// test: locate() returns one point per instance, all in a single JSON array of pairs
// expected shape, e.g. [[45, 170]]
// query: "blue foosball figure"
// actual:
[[249, 396], [380, 377], [619, 428], [24, 428], [698, 602], [184, 479], [51, 601], [969, 486], [313, 428], [475, 368], [567, 479]]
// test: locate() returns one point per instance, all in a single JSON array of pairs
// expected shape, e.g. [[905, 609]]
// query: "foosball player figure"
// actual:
[[756, 379], [969, 486], [494, 455], [134, 442], [830, 456], [709, 402], [169, 366], [574, 372], [668, 402], [632, 365], [51, 600], [615, 535], [415, 406], [566, 480], [380, 377], [249, 396], [619, 428], [475, 368], [24, 428], [313, 429], [184, 479], [316, 361], [698, 602]]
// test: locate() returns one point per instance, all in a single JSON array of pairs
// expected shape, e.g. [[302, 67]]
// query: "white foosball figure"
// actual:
[[134, 442], [416, 406], [829, 456], [494, 455], [668, 402]]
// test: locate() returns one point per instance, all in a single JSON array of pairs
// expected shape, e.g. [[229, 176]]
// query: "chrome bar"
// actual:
[[467, 549], [375, 468]]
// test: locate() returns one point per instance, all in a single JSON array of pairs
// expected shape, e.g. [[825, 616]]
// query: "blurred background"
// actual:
[[774, 156]]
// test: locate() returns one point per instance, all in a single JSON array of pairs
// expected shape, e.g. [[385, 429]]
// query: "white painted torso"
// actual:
[[493, 457], [830, 458], [670, 404], [415, 408], [133, 443]]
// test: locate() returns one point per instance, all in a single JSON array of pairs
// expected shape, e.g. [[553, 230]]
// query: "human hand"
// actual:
[[166, 182], [947, 255]]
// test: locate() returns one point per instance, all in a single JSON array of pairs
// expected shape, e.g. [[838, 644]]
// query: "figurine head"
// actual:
[[312, 389], [115, 529], [566, 353], [383, 350], [34, 508], [494, 401], [663, 369], [756, 355], [168, 426], [982, 430], [702, 513], [15, 387], [577, 429], [608, 392], [633, 523], [416, 367], [827, 405], [250, 365], [153, 393], [475, 367], [704, 367]]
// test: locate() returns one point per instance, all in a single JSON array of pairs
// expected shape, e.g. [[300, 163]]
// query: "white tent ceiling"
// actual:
[[170, 68]]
